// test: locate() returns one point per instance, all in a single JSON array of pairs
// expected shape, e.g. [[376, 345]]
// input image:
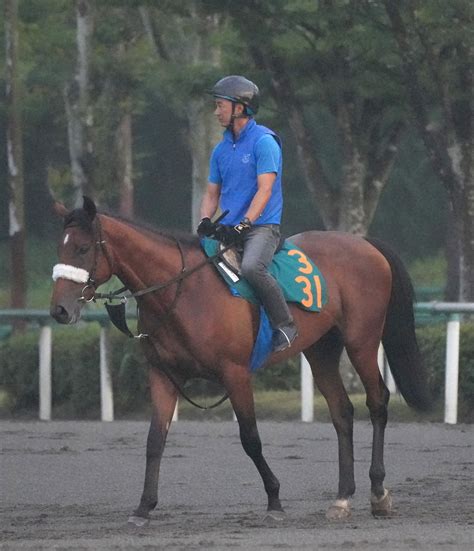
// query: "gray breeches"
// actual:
[[260, 245]]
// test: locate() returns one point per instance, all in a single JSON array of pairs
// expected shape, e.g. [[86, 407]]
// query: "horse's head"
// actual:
[[83, 263]]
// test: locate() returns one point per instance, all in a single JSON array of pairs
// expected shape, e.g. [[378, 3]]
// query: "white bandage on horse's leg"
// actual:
[[65, 271]]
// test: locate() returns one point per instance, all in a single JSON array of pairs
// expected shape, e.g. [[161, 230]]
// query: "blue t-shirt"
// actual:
[[235, 167]]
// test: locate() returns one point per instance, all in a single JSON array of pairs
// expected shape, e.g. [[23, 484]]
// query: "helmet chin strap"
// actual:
[[230, 126], [233, 116]]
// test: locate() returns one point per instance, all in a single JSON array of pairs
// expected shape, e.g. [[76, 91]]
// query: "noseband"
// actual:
[[78, 275]]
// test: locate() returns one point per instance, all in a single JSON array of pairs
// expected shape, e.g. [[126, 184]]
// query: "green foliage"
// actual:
[[429, 272], [19, 370], [282, 376], [201, 41], [432, 342], [75, 369], [75, 361], [41, 256], [412, 211], [130, 376]]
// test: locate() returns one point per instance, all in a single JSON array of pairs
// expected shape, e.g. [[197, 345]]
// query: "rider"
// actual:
[[245, 178]]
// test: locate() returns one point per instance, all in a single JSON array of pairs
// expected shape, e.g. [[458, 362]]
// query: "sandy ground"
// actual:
[[72, 485]]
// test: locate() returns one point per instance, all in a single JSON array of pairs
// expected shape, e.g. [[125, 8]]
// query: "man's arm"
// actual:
[[210, 200], [268, 157], [264, 191]]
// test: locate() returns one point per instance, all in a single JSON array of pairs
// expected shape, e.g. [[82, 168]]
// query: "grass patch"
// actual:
[[279, 405], [270, 405], [429, 271]]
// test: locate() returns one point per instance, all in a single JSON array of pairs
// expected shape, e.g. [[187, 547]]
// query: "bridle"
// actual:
[[79, 275], [89, 277], [99, 247]]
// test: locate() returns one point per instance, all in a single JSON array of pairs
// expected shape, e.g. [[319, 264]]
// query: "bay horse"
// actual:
[[197, 328]]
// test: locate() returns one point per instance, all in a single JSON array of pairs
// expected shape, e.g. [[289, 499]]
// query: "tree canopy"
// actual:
[[372, 99]]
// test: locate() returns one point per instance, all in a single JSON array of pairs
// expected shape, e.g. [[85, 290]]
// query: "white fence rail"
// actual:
[[452, 310]]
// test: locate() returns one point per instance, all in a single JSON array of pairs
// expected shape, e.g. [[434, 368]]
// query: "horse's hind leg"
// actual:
[[163, 395], [238, 384], [364, 360], [324, 358]]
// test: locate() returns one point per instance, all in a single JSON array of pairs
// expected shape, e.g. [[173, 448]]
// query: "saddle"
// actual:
[[298, 276], [232, 257]]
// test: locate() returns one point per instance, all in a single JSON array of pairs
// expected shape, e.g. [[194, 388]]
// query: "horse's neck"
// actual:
[[140, 259]]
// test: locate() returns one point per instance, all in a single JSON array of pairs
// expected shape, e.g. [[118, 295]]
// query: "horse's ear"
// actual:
[[60, 209], [89, 207]]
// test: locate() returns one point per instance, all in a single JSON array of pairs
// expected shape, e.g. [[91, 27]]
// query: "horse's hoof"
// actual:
[[339, 510], [138, 521], [381, 506], [276, 516]]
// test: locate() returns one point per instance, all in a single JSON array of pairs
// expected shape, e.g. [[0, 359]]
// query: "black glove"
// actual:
[[206, 227], [222, 234], [243, 227], [232, 235]]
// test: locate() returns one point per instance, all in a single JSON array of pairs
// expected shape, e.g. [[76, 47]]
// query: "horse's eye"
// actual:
[[84, 249]]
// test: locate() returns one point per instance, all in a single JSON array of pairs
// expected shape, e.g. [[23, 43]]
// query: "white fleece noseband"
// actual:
[[65, 271]]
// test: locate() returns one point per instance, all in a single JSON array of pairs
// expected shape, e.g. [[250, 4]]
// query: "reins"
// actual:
[[114, 295]]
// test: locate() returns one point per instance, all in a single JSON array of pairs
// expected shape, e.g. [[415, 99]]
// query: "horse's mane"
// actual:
[[185, 238], [79, 217]]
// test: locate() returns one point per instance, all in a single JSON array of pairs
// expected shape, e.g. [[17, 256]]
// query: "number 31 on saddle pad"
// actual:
[[297, 275]]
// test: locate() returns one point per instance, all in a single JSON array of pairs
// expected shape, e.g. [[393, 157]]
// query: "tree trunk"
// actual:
[[315, 179], [15, 160], [351, 194], [124, 144], [453, 241], [352, 205], [365, 170], [204, 133], [78, 108], [465, 210]]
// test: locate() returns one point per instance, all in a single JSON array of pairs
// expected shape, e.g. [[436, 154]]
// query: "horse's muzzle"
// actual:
[[60, 314]]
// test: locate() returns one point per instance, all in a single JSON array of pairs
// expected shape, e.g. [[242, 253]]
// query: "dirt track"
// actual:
[[72, 485]]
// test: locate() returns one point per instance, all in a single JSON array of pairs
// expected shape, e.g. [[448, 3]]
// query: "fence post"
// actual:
[[452, 369], [307, 391], [106, 393], [45, 385]]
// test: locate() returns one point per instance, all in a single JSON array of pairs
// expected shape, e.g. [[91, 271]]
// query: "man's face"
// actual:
[[223, 111]]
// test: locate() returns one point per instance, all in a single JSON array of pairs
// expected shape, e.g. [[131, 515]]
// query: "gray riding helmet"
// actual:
[[238, 89]]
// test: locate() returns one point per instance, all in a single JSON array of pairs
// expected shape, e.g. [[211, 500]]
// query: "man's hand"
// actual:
[[232, 235], [206, 227], [243, 227]]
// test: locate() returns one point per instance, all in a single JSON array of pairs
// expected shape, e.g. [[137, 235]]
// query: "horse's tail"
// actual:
[[399, 338]]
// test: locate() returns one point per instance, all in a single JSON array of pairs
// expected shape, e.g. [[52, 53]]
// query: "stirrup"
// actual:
[[284, 338]]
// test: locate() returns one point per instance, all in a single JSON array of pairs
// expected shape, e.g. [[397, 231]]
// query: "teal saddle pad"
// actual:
[[298, 276]]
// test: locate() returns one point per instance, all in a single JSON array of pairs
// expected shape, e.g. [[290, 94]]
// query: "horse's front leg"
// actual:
[[239, 387], [163, 395]]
